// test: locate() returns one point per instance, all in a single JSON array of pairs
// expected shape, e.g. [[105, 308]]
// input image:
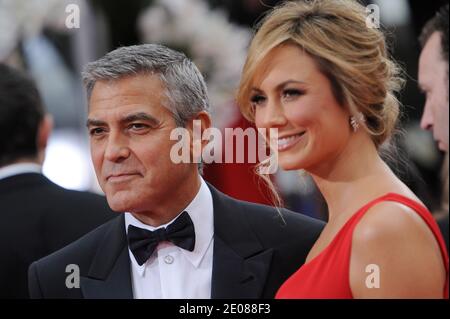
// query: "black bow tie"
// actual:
[[143, 242]]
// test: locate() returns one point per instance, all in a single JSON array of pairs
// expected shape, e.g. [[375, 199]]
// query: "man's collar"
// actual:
[[200, 209], [19, 168]]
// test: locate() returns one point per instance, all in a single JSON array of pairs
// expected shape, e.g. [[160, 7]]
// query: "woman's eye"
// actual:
[[290, 94], [257, 100]]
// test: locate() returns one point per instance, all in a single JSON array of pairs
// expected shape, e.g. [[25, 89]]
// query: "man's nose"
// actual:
[[426, 122], [117, 148]]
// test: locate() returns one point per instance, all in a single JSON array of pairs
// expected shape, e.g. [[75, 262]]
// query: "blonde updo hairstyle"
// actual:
[[350, 54]]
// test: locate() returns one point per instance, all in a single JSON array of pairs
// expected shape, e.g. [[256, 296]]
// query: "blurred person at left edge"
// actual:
[[38, 216]]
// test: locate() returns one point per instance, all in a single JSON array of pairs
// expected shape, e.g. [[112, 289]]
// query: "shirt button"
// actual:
[[168, 259]]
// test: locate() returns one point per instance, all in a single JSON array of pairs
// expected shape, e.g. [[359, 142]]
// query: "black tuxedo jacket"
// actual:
[[254, 253], [37, 218]]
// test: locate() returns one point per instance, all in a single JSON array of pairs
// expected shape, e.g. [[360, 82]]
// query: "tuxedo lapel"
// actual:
[[109, 275], [238, 277], [240, 262]]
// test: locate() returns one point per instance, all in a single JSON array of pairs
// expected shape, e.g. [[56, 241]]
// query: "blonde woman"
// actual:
[[323, 78]]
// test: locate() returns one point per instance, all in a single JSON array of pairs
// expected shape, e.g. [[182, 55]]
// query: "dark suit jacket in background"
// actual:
[[37, 218], [443, 226], [254, 253]]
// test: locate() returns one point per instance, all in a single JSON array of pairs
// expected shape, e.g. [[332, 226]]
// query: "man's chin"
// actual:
[[443, 147], [119, 201], [119, 205]]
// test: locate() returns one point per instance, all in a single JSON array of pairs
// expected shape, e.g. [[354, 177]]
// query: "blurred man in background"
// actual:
[[38, 216], [433, 80]]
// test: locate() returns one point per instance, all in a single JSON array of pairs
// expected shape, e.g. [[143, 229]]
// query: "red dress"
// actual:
[[327, 275]]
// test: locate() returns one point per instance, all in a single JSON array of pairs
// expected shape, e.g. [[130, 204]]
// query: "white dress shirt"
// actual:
[[21, 168], [172, 272]]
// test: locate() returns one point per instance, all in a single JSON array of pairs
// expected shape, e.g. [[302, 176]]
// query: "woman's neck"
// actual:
[[352, 177]]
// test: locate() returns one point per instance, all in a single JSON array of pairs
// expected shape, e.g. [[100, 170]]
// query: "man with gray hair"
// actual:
[[178, 237]]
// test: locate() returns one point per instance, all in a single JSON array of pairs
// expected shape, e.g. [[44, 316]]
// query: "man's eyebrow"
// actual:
[[140, 116], [94, 122]]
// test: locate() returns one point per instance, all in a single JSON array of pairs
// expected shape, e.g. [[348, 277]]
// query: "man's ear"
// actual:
[[44, 131], [196, 127]]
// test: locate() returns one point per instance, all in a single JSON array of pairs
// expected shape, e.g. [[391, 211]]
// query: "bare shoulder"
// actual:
[[396, 243], [389, 220]]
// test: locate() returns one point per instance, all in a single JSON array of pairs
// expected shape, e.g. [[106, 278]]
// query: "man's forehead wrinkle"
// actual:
[[130, 98]]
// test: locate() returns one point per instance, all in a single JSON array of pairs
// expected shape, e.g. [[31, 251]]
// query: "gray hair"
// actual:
[[185, 87]]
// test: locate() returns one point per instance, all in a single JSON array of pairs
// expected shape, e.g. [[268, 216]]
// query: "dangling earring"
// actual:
[[355, 120]]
